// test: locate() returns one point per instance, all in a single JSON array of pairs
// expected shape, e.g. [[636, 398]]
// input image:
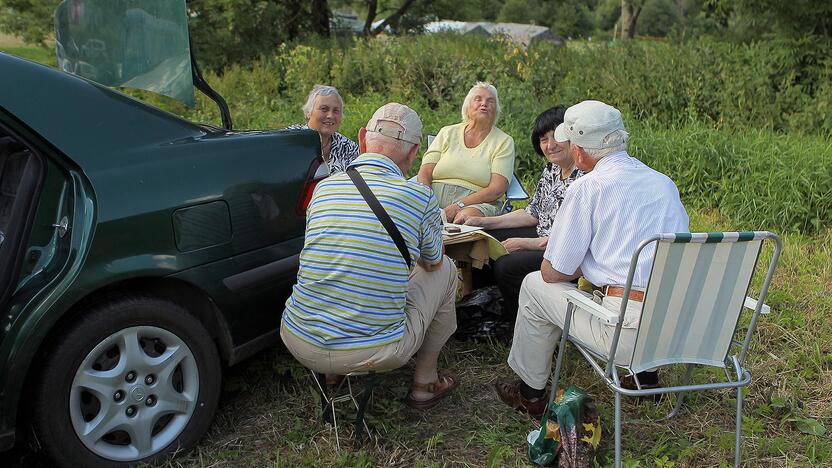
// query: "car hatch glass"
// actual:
[[139, 44]]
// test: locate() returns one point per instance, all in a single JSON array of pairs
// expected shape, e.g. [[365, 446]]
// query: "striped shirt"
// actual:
[[606, 214], [352, 283]]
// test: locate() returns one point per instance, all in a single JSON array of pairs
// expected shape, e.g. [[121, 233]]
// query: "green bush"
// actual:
[[741, 128]]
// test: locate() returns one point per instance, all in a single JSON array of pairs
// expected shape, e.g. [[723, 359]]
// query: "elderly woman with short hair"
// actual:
[[324, 110], [469, 164], [524, 233]]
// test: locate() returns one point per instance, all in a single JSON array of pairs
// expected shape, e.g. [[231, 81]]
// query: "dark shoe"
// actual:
[[509, 392], [444, 386], [333, 383], [647, 380]]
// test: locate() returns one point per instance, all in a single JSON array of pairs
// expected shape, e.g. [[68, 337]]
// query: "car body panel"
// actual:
[[122, 172]]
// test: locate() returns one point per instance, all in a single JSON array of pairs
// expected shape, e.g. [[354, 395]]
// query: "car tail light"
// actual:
[[317, 173]]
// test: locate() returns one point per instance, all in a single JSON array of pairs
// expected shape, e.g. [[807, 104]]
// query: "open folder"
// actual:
[[482, 245]]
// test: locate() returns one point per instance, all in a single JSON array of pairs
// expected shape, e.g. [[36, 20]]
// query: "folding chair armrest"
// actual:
[[586, 304], [751, 303]]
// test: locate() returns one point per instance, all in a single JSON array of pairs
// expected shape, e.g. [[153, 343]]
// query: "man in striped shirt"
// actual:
[[358, 306], [604, 216]]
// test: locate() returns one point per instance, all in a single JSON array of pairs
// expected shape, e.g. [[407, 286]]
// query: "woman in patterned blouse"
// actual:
[[324, 110], [524, 233]]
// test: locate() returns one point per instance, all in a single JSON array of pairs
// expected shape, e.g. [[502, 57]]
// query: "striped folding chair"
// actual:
[[692, 305]]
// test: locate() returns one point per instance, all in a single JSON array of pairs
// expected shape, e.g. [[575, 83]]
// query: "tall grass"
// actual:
[[717, 118]]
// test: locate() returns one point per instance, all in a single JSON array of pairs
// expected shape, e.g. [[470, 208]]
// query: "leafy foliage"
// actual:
[[29, 19], [742, 128]]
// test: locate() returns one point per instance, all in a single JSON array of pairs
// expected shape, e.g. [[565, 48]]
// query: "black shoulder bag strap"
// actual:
[[380, 213]]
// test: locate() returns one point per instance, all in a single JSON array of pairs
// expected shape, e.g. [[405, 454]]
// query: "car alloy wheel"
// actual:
[[129, 380], [134, 393]]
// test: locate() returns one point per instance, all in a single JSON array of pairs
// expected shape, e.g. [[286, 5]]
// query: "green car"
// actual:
[[139, 253]]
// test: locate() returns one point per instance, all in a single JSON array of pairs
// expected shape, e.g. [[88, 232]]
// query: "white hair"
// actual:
[[386, 145], [317, 91], [600, 153], [481, 85]]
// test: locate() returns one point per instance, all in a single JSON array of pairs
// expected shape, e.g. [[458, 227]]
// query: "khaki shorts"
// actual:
[[430, 319], [447, 194]]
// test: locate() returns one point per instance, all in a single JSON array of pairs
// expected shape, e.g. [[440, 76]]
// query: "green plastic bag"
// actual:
[[569, 431]]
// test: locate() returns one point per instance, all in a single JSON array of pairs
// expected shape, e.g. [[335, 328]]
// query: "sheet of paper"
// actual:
[[463, 229]]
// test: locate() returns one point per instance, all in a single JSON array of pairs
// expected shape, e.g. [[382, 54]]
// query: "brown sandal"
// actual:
[[444, 385]]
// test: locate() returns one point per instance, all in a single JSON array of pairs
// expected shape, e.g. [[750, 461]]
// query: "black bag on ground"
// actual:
[[479, 316]]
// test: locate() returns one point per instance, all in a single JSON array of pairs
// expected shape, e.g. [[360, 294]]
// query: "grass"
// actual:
[[15, 46], [268, 413]]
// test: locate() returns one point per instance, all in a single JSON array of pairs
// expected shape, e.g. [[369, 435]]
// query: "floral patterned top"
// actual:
[[342, 152], [548, 196]]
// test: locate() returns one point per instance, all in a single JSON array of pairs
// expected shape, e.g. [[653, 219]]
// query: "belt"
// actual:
[[618, 291]]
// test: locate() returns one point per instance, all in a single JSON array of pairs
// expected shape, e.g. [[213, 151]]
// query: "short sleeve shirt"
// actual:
[[606, 214], [342, 152], [548, 196], [352, 282], [471, 168]]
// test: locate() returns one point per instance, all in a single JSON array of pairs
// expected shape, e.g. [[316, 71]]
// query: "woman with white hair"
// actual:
[[324, 110], [470, 164]]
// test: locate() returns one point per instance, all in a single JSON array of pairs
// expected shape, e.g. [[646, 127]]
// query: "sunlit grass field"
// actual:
[[730, 180]]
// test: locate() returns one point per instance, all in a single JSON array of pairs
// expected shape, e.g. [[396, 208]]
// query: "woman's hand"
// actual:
[[451, 212], [480, 221], [524, 243]]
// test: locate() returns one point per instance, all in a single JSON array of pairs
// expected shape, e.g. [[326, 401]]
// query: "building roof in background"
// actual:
[[524, 34]]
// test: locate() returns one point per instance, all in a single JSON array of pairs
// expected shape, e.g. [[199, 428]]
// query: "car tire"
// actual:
[[134, 380]]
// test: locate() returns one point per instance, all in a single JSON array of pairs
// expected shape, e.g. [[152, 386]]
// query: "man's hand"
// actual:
[[427, 266]]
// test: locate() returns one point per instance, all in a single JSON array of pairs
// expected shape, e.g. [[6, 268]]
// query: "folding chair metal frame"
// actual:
[[362, 431], [741, 376]]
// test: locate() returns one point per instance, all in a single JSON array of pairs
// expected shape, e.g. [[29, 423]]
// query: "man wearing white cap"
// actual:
[[604, 216], [361, 303]]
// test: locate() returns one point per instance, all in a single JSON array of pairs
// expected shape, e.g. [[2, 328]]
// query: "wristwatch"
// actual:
[[460, 204]]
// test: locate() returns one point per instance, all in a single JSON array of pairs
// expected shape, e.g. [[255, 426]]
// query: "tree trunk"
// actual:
[[372, 9], [294, 9], [630, 9], [392, 19], [320, 17]]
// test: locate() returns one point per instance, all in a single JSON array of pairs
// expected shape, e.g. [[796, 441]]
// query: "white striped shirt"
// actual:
[[605, 215]]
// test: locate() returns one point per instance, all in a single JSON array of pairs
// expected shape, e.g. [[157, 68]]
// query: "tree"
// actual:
[[30, 20], [391, 20], [320, 17], [658, 17], [572, 18], [238, 31], [607, 14], [791, 18], [630, 10], [518, 11]]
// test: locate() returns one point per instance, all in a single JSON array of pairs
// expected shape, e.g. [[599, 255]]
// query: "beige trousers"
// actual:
[[430, 319], [540, 318]]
